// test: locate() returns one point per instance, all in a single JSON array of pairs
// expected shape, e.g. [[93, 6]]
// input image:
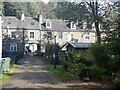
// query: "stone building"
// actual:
[[28, 33]]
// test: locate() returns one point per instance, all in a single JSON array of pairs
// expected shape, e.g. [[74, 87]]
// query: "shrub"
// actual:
[[76, 63], [96, 71], [65, 63], [99, 54], [18, 56], [52, 48]]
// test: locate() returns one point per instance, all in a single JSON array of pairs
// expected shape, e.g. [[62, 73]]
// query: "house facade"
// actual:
[[29, 34]]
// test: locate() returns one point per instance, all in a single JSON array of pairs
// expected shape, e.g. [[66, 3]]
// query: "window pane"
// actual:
[[32, 35], [13, 35], [48, 24], [60, 35], [13, 47], [49, 34]]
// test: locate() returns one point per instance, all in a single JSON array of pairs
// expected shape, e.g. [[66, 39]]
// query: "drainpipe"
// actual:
[[0, 37], [23, 41]]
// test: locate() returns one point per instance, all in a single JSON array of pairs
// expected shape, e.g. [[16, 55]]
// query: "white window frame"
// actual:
[[60, 35], [30, 35], [87, 36], [13, 46], [73, 25], [13, 35], [69, 37], [48, 22]]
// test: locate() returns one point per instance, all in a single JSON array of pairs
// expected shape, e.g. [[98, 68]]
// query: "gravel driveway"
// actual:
[[34, 75]]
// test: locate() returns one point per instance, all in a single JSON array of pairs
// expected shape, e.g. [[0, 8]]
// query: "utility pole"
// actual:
[[0, 37]]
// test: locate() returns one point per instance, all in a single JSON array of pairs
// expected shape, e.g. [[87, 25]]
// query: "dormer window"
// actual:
[[32, 23], [72, 25], [9, 22], [48, 24]]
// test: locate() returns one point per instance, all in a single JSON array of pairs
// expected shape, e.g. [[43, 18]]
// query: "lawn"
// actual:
[[61, 73], [5, 77]]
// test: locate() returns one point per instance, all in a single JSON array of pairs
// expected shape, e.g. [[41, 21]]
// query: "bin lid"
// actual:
[[0, 60], [4, 59]]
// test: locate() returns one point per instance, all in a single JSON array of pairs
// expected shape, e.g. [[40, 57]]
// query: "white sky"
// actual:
[[45, 1]]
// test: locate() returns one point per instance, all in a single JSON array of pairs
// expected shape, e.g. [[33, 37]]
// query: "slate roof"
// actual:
[[15, 23], [80, 45], [33, 23]]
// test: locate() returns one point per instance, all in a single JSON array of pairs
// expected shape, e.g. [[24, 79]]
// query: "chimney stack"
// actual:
[[22, 17], [40, 17]]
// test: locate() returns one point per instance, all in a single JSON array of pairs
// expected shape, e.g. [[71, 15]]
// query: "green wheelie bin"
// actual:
[[0, 66], [5, 64]]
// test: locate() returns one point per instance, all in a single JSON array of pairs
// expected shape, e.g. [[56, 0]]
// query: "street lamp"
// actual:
[[55, 34], [54, 56]]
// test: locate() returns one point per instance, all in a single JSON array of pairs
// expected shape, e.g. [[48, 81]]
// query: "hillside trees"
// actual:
[[1, 5], [71, 11], [31, 9], [93, 7], [90, 11]]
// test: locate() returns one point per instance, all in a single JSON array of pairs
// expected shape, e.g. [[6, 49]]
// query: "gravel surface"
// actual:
[[34, 75]]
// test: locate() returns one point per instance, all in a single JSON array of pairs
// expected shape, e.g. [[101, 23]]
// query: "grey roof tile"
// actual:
[[80, 45], [56, 24]]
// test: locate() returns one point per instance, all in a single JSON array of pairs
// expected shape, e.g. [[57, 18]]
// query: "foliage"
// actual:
[[99, 54], [29, 8], [76, 63], [52, 48], [4, 78], [64, 9], [96, 71], [113, 39], [59, 71], [1, 5], [18, 56], [15, 57]]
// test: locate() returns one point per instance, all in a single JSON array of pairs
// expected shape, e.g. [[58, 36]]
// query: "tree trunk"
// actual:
[[98, 32], [94, 8]]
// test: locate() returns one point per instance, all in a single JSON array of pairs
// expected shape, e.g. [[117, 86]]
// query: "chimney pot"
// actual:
[[22, 17]]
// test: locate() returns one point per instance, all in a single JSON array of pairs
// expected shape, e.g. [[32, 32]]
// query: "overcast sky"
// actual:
[[45, 1]]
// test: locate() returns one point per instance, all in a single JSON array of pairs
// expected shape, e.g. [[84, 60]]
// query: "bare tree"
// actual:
[[93, 6]]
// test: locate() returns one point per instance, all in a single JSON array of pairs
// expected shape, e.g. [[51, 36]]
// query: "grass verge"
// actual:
[[5, 77], [61, 73]]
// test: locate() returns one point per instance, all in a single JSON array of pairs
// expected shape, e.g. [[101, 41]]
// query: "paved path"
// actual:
[[34, 75]]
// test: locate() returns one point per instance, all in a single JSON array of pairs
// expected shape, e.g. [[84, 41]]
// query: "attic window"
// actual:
[[48, 24], [32, 23], [9, 22], [87, 36], [72, 25]]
